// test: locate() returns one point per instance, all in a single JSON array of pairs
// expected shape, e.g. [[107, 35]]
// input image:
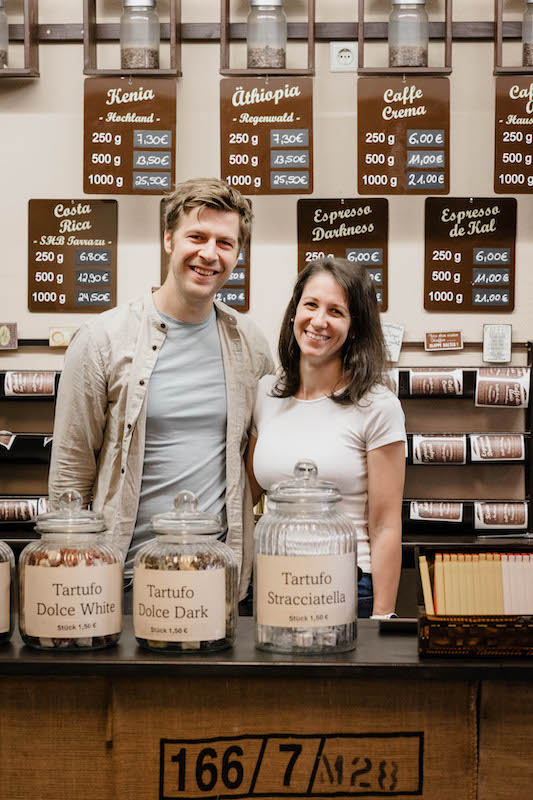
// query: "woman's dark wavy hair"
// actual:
[[364, 354]]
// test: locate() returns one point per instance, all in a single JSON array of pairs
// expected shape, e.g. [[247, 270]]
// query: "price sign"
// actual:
[[470, 254], [403, 135], [72, 255], [129, 135], [236, 292], [266, 130], [289, 765], [347, 228], [513, 172]]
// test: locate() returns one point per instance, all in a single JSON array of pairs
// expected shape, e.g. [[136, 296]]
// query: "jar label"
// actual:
[[179, 605], [73, 602], [306, 591], [5, 582]]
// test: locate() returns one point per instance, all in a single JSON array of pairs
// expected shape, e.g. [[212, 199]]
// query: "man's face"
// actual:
[[203, 251]]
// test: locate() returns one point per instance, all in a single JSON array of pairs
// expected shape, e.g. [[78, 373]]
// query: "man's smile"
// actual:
[[203, 271]]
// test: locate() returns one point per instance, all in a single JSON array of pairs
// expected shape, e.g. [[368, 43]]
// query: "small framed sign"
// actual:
[[497, 343], [443, 340]]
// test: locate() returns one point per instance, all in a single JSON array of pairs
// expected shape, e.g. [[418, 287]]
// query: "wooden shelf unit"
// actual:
[[90, 41], [446, 69], [410, 527], [225, 30], [31, 44], [499, 69]]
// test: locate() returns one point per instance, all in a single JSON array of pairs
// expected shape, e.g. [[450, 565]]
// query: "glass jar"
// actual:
[[4, 36], [7, 592], [266, 35], [185, 583], [408, 34], [139, 35], [527, 35], [70, 582], [305, 569]]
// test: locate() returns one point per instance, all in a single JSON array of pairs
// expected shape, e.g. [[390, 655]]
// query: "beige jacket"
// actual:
[[100, 422]]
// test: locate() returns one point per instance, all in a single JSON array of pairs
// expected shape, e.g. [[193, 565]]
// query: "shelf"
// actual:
[[27, 448], [499, 69], [428, 528], [404, 71], [90, 40], [226, 29], [491, 463], [362, 36], [30, 39]]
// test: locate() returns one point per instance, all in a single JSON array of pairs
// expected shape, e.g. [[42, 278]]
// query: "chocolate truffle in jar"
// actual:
[[70, 581], [305, 568], [7, 592], [185, 583]]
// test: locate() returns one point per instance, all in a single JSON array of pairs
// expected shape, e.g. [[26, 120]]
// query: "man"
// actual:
[[156, 395]]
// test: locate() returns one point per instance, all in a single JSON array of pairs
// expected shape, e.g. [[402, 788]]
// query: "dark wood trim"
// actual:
[[29, 36], [437, 30], [229, 32], [259, 72], [516, 346], [92, 33], [500, 28], [404, 70], [72, 33]]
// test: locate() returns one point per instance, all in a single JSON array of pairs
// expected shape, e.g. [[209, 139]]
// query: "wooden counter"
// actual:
[[128, 723]]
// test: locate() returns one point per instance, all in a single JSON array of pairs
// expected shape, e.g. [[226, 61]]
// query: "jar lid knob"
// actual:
[[186, 502], [70, 501], [306, 470]]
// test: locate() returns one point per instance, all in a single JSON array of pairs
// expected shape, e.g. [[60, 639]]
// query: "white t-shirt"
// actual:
[[336, 437]]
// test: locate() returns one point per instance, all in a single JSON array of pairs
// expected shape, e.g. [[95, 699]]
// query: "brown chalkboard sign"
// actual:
[[236, 292], [129, 135], [266, 134], [347, 228], [72, 255], [513, 171], [403, 135], [470, 254]]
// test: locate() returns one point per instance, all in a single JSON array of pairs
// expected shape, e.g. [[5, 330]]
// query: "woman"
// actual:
[[331, 404]]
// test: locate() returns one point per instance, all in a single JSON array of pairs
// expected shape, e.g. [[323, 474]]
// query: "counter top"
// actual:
[[378, 655]]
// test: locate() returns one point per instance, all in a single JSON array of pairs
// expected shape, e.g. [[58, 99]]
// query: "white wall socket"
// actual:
[[343, 56]]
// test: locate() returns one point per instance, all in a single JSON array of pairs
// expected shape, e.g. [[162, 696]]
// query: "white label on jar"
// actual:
[[5, 581], [73, 602], [24, 383], [179, 605], [305, 591], [494, 515], [497, 447]]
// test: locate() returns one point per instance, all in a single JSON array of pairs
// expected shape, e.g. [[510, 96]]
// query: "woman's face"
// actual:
[[322, 320]]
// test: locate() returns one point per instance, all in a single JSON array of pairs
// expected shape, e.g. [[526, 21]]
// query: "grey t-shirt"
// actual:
[[185, 444]]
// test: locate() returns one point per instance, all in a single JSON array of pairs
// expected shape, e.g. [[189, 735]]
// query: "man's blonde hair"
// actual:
[[209, 193]]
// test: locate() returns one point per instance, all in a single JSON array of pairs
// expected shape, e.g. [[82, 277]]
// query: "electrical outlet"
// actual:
[[343, 56]]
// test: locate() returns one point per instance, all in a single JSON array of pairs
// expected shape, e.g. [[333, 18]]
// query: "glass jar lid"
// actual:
[[266, 2], [138, 3], [70, 517], [305, 487], [410, 2], [186, 518]]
